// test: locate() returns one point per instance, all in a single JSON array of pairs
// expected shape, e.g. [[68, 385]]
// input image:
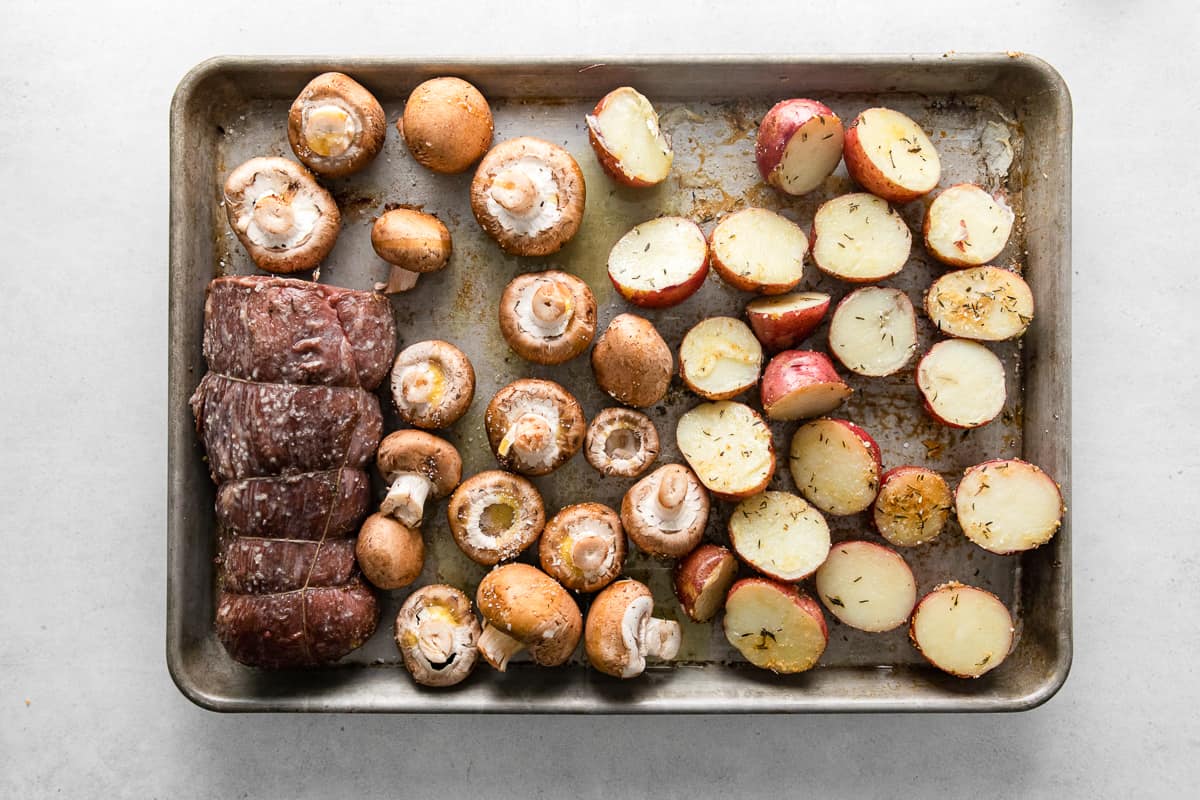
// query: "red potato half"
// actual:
[[966, 227], [660, 263], [912, 507], [859, 238], [720, 358], [702, 578], [867, 586], [774, 625], [757, 250], [780, 535], [799, 145], [987, 304], [890, 156], [873, 331], [1008, 506], [798, 384], [729, 448], [836, 465], [630, 145], [783, 321], [962, 383], [962, 630]]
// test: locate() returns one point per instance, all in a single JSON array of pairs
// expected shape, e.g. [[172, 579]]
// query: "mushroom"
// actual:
[[390, 553], [632, 362], [621, 442], [622, 631], [447, 125], [433, 384], [524, 608], [548, 317], [528, 195], [534, 426], [286, 220], [665, 512], [495, 515], [583, 547], [416, 465], [336, 126], [412, 242], [436, 631]]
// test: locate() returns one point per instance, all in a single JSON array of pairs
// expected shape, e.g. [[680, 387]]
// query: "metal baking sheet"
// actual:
[[1001, 120]]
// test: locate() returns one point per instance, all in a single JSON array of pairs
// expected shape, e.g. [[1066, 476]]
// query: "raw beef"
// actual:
[[307, 506]]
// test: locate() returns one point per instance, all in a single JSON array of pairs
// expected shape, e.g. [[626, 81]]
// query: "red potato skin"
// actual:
[[929, 406], [694, 576], [867, 440], [665, 297], [869, 176], [777, 128], [777, 333], [609, 162], [805, 601], [794, 368]]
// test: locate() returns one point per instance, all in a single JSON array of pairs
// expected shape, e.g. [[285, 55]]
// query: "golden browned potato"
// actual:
[[447, 125], [632, 362]]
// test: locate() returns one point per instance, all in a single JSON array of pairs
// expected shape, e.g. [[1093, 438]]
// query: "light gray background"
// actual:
[[86, 706]]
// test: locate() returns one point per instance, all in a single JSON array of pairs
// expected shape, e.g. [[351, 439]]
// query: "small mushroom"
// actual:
[[632, 362], [583, 547], [495, 515], [622, 631], [621, 442], [390, 553], [534, 426], [528, 195], [548, 317], [336, 126], [436, 631], [416, 465], [413, 243], [665, 512], [286, 220], [447, 125], [433, 384], [525, 608]]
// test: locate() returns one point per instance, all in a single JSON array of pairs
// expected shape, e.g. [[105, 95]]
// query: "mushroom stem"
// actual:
[[418, 384], [328, 130], [435, 638], [672, 491], [498, 647], [406, 498], [529, 436], [400, 280], [589, 553], [551, 302], [660, 638], [514, 191], [273, 215]]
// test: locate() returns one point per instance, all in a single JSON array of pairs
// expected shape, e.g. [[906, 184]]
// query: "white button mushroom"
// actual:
[[437, 633], [583, 547], [622, 631], [416, 465], [534, 426], [665, 513], [526, 609], [335, 126], [495, 515], [433, 384]]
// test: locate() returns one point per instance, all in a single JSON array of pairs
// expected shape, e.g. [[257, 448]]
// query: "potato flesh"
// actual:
[[984, 303], [860, 237], [809, 400], [912, 507], [727, 445], [1008, 506], [833, 468], [628, 129], [769, 628], [874, 331], [963, 382], [780, 535], [811, 155], [963, 630], [899, 149], [658, 254], [721, 356], [968, 226], [761, 246], [866, 586]]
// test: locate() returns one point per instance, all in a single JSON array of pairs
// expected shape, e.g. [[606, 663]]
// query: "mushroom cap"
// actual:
[[588, 532], [447, 125], [632, 362], [610, 643], [546, 401], [488, 539], [432, 619], [529, 297], [390, 554], [367, 124], [554, 192], [621, 442], [423, 453], [641, 513], [443, 374], [531, 607], [286, 220], [411, 240]]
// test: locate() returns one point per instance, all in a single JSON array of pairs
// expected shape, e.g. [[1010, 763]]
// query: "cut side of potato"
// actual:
[[782, 321], [775, 626], [702, 579], [987, 304], [720, 358], [799, 145], [913, 506], [757, 250], [867, 586], [962, 630], [780, 535], [1008, 506], [799, 384], [859, 238], [965, 226], [890, 156], [729, 448], [874, 331], [836, 465], [962, 382], [628, 141], [660, 262]]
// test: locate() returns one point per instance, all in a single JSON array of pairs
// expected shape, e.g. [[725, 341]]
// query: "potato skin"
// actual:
[[390, 554], [632, 362], [869, 176], [447, 125], [412, 240]]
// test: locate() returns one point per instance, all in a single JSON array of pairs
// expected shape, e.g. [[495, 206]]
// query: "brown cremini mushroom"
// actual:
[[447, 125], [412, 242], [621, 442], [436, 631], [416, 465], [526, 609], [534, 426], [286, 220], [583, 547], [528, 195], [548, 317], [495, 515], [390, 553], [336, 126], [622, 631], [632, 362], [665, 512], [433, 384]]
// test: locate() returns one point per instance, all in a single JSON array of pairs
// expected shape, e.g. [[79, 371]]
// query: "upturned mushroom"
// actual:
[[286, 220], [621, 442], [495, 515], [390, 553], [632, 362], [413, 243], [335, 126], [548, 317], [437, 632], [447, 125], [583, 547], [526, 609], [622, 631], [416, 465], [534, 426], [433, 384], [528, 195], [665, 512]]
